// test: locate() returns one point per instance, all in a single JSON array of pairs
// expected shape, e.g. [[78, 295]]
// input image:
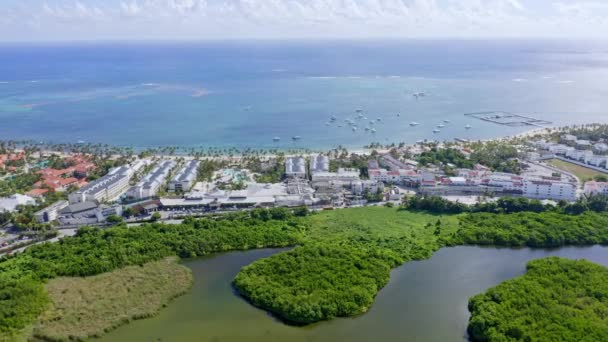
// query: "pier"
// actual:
[[509, 119]]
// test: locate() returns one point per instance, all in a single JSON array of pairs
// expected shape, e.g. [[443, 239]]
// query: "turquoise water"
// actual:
[[242, 94]]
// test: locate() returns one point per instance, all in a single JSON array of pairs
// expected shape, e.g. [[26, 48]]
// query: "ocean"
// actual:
[[242, 94]]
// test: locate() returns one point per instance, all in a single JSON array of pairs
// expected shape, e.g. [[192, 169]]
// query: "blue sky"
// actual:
[[41, 20]]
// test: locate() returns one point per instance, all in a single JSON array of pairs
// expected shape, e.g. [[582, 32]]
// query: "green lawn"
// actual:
[[583, 173]]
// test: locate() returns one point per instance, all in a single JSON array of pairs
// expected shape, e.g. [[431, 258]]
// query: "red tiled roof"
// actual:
[[37, 192]]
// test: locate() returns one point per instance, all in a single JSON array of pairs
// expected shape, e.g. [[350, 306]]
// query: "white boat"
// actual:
[[354, 128], [440, 126], [414, 123], [275, 139], [333, 118], [379, 119], [436, 130], [372, 122], [398, 115], [468, 127], [366, 129], [373, 130], [297, 137], [446, 121]]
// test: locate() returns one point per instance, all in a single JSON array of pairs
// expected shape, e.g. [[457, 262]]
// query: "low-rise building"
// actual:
[[343, 175], [583, 145], [549, 190], [600, 148], [392, 163], [51, 213], [595, 188], [407, 177], [185, 177], [362, 186], [568, 139], [9, 204], [578, 155]]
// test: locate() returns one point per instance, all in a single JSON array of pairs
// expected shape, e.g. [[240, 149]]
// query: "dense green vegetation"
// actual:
[[94, 251], [443, 156], [20, 183], [548, 229], [556, 300], [496, 155], [504, 205], [342, 260]]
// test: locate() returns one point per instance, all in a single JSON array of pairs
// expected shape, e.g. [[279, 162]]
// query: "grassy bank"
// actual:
[[87, 307], [583, 173], [556, 300]]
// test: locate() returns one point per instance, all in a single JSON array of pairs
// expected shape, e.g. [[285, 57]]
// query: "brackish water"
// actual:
[[424, 301], [242, 94]]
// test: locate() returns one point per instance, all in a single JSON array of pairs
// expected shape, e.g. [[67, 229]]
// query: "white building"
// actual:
[[600, 148], [151, 183], [583, 145], [395, 177], [506, 182], [295, 167], [185, 177], [578, 155], [106, 188], [343, 175], [569, 139], [595, 160], [361, 186], [319, 163], [560, 149], [50, 213], [596, 188], [10, 204], [549, 190]]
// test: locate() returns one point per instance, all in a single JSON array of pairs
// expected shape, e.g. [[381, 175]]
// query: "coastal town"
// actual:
[[55, 192]]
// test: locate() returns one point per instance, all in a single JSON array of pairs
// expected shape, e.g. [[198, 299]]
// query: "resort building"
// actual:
[[319, 163], [185, 178], [343, 175], [395, 177], [362, 186], [51, 213], [595, 188], [600, 148], [393, 164], [151, 183], [106, 188], [295, 167], [549, 190]]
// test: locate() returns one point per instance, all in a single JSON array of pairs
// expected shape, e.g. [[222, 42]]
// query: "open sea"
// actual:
[[243, 94]]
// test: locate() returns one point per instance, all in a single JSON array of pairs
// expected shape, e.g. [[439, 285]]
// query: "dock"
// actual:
[[509, 119]]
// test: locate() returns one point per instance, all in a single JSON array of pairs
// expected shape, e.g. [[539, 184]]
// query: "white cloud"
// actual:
[[202, 19]]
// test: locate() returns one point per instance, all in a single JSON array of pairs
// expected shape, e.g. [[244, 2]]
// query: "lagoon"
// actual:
[[424, 300]]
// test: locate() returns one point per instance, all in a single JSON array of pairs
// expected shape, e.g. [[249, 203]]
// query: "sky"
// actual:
[[66, 20]]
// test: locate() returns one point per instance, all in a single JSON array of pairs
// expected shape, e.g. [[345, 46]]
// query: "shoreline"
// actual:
[[225, 154]]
